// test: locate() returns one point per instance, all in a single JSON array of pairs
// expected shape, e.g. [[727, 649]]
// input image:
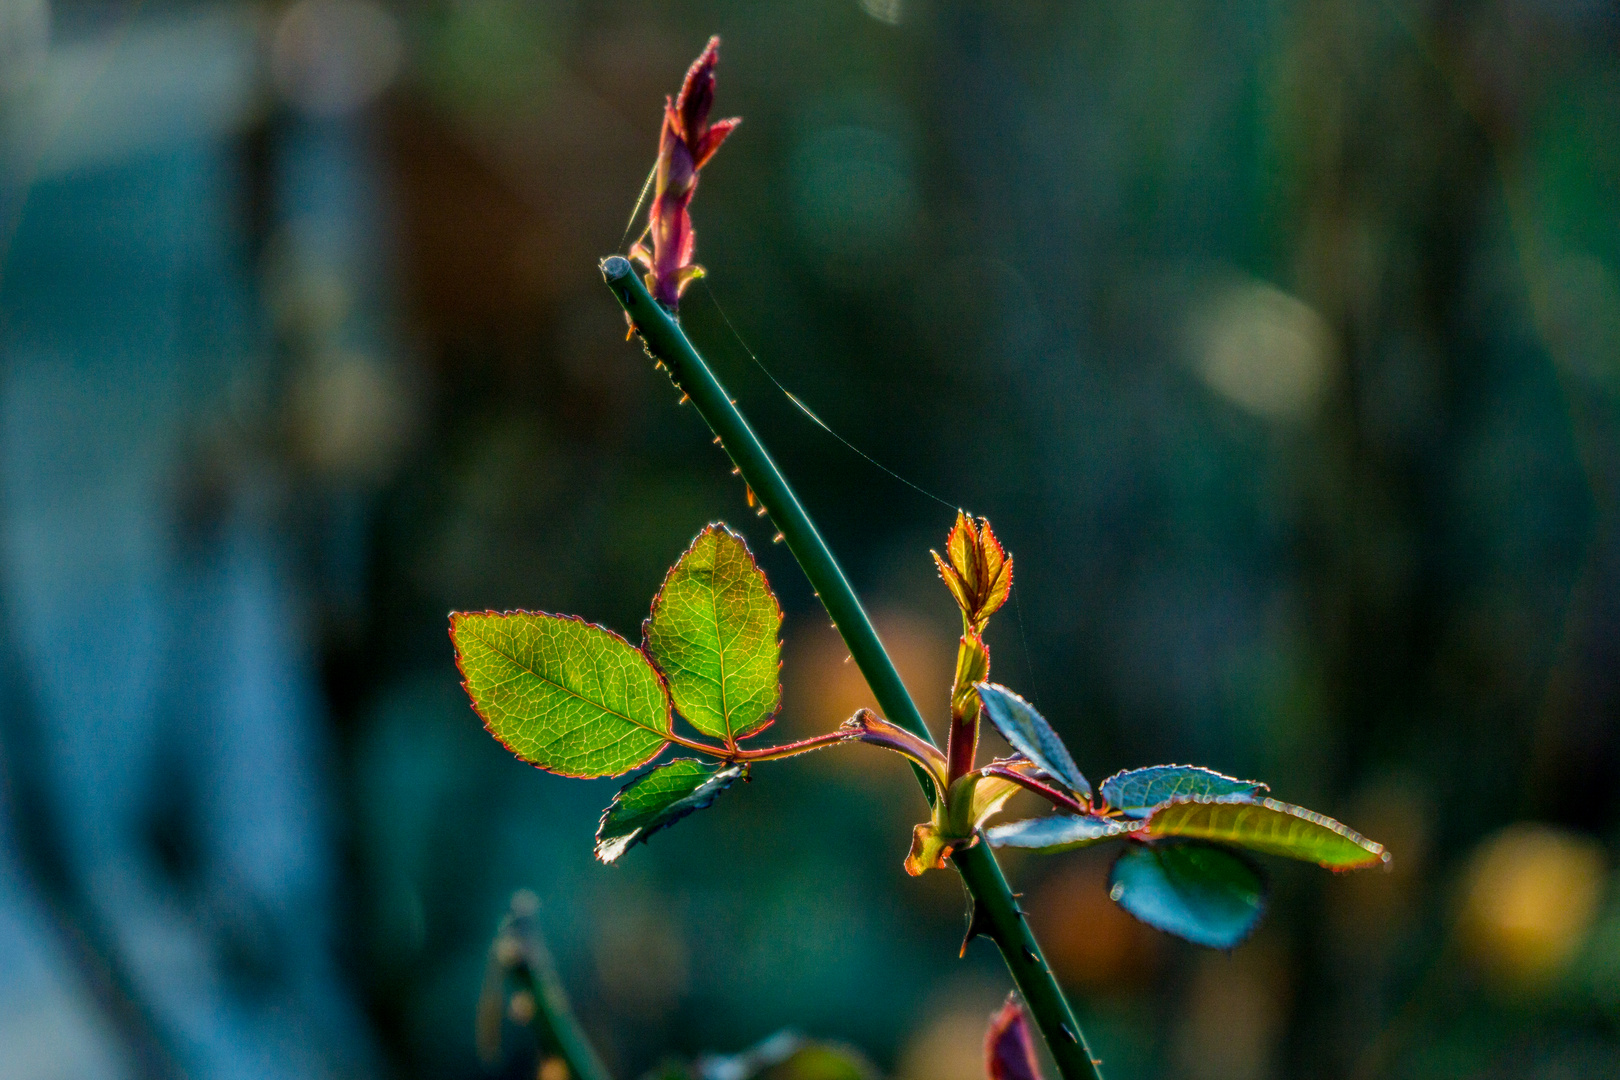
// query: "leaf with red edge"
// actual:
[[712, 139], [713, 632], [1009, 1051], [1269, 826], [559, 692], [959, 547], [953, 582]]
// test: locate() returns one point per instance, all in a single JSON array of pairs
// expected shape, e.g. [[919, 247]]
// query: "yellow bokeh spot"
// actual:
[[1530, 897]]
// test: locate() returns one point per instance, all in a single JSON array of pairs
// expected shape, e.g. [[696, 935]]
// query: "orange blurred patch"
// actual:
[[822, 687], [1235, 1013], [1088, 940]]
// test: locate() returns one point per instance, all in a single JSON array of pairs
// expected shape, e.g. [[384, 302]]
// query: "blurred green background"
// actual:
[[1280, 341]]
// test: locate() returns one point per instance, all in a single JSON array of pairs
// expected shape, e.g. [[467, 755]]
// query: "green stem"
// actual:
[[996, 913], [555, 1024], [520, 951]]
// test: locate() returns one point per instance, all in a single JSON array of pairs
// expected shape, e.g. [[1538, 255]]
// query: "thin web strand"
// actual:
[[818, 421], [1023, 639], [641, 200]]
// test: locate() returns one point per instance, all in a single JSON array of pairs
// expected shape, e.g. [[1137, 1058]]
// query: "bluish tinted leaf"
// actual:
[[657, 800], [1206, 894], [1058, 832], [1138, 791], [1031, 736]]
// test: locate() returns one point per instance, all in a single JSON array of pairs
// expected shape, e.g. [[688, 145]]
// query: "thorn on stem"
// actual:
[[978, 925], [778, 538], [684, 399]]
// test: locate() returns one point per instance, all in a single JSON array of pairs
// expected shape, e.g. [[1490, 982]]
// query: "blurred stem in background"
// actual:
[[996, 914], [519, 954]]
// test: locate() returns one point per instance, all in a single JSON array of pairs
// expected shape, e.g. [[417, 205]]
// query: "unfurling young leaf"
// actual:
[[1032, 736], [976, 569], [972, 667], [713, 632], [1270, 826], [657, 800], [1203, 893], [1058, 832], [562, 693], [1009, 1052], [685, 145], [1136, 792]]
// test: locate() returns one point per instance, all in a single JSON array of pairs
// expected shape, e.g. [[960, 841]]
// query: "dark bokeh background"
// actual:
[[1280, 341]]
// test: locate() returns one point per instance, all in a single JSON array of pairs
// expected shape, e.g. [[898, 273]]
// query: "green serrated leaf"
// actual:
[[1058, 832], [713, 632], [562, 693], [1269, 826], [1138, 791], [1031, 736], [1203, 893], [657, 800]]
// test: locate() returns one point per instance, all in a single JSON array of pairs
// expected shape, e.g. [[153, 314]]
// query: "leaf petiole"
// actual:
[[1049, 792], [701, 747], [793, 749]]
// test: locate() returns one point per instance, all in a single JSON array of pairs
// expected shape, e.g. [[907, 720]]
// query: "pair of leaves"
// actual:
[[579, 700], [1263, 825], [1178, 875]]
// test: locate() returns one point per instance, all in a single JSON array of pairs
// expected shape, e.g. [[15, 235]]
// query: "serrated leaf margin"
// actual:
[[724, 776], [669, 710], [646, 624]]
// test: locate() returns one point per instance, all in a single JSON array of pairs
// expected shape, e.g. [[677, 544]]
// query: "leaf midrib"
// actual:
[[521, 666]]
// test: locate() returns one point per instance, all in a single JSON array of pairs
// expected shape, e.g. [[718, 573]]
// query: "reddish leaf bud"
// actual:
[[685, 144], [1009, 1052]]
